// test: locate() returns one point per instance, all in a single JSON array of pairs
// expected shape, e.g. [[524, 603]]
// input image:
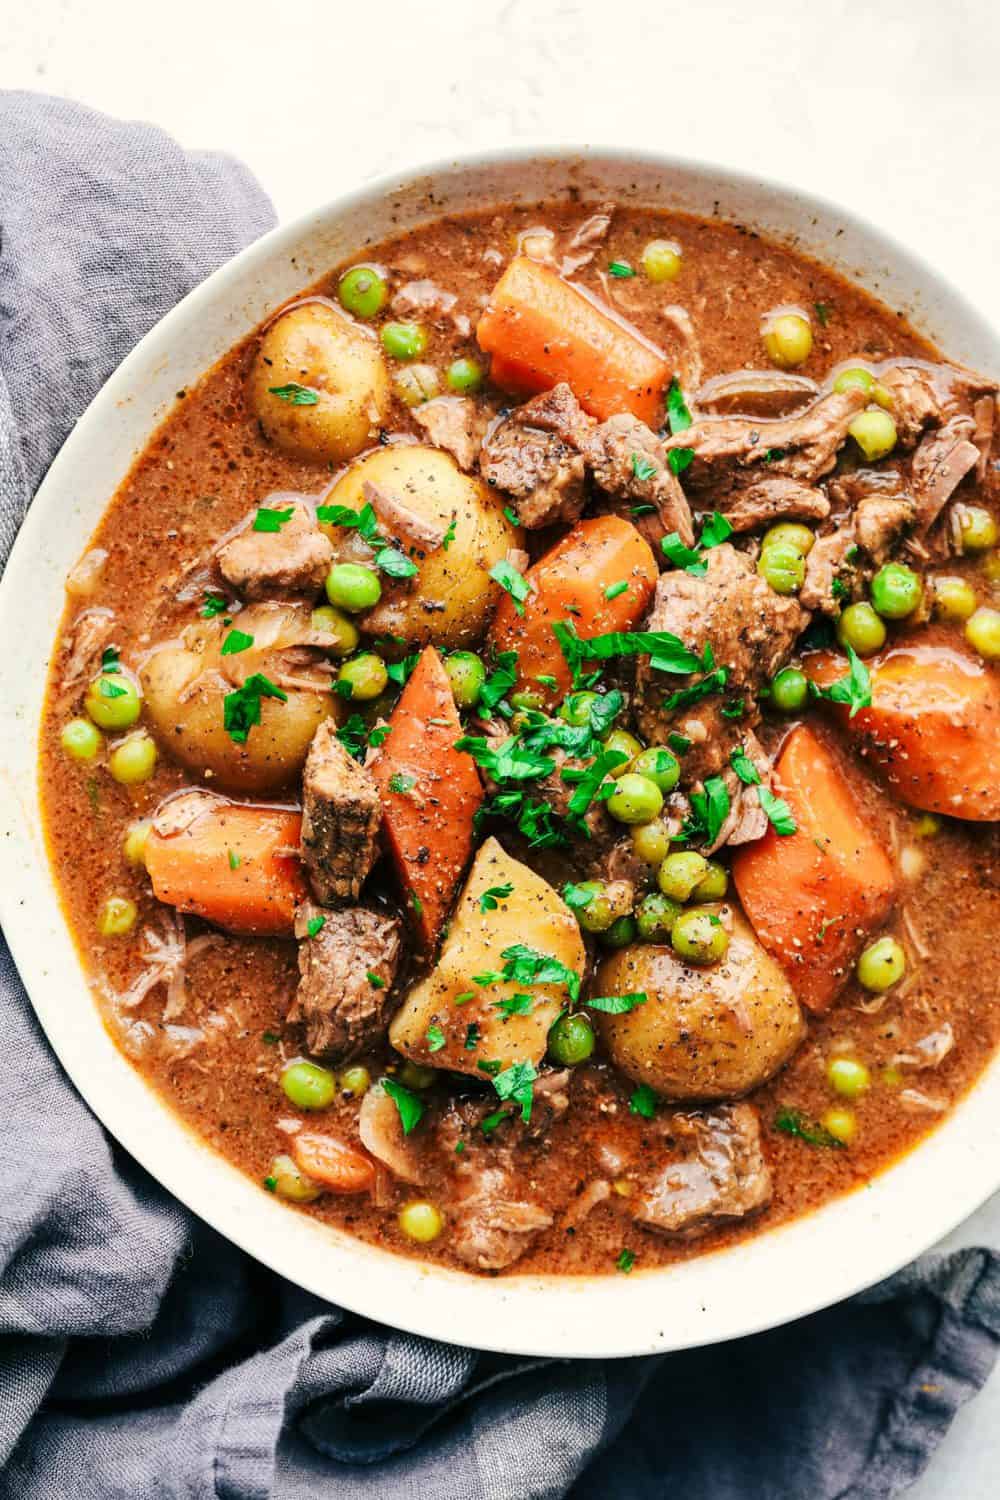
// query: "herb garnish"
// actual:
[[577, 897], [409, 1104], [709, 811], [214, 605], [110, 660], [614, 589], [643, 1102], [516, 1083], [294, 394], [625, 1261], [472, 1035], [643, 468], [679, 419], [234, 860], [793, 1122], [855, 688], [620, 268], [388, 558], [526, 965], [515, 1005], [667, 652], [692, 559], [401, 783], [272, 520], [509, 579], [399, 671], [355, 735], [375, 980], [449, 535], [499, 683], [490, 899], [618, 1005], [435, 1038], [241, 709], [315, 925], [822, 311], [779, 814], [236, 640]]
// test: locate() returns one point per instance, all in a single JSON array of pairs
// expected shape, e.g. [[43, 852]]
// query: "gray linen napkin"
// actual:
[[142, 1356]]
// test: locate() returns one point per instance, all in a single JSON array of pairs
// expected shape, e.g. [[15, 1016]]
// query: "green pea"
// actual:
[[651, 842], [354, 588], [789, 690], [842, 1124], [874, 431], [571, 1040], [788, 339], [896, 591], [415, 1076], [308, 1086], [597, 915], [854, 379], [699, 936], [527, 701], [790, 534], [422, 1222], [977, 529], [81, 739], [576, 708], [365, 676], [713, 885], [134, 760], [404, 340], [362, 291], [334, 622], [659, 765], [354, 1081], [628, 745], [954, 599], [680, 873], [783, 568], [113, 701], [635, 799], [135, 840], [464, 376], [656, 916], [983, 632], [881, 965], [291, 1183], [621, 932], [416, 384], [661, 261], [861, 628], [117, 917], [991, 568], [466, 674], [848, 1076]]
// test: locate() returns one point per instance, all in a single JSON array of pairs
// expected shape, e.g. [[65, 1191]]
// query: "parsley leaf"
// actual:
[[110, 660], [625, 1261], [715, 531], [214, 605], [409, 1104], [387, 558], [780, 815], [516, 1083], [490, 899], [614, 589], [394, 564], [793, 1122], [401, 783], [577, 897], [679, 459], [712, 682], [241, 709], [744, 767], [515, 1005], [667, 652], [236, 640], [375, 980], [709, 810], [315, 925], [435, 1038], [234, 860], [679, 743], [643, 468], [111, 689], [677, 408], [294, 394], [524, 965], [509, 579], [618, 1005], [512, 515], [855, 688], [822, 311], [499, 683], [643, 1102], [272, 520], [620, 268], [449, 535]]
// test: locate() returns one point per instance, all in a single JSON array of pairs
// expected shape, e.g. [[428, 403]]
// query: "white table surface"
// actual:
[[892, 109]]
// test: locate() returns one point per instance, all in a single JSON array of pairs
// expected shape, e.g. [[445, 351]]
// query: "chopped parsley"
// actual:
[[110, 660], [499, 683], [399, 671], [472, 1036], [692, 559], [512, 516], [315, 926], [409, 1104], [773, 455], [621, 269], [214, 604], [854, 689], [779, 814], [524, 965], [417, 904], [744, 767], [435, 1038], [667, 652], [709, 811], [822, 312], [679, 743], [734, 709], [449, 535], [490, 899], [643, 1102], [393, 563], [354, 735], [234, 860], [793, 1122], [271, 1183], [516, 1083], [401, 783], [679, 419], [509, 579], [577, 897], [625, 1261], [235, 641], [515, 1005], [294, 394], [111, 689], [272, 520], [712, 682], [614, 589], [389, 559], [375, 980], [618, 1005], [643, 468], [271, 1038], [241, 709]]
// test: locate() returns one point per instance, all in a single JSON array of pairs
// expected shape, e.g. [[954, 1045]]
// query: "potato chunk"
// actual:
[[533, 915], [423, 500], [711, 1033], [318, 385]]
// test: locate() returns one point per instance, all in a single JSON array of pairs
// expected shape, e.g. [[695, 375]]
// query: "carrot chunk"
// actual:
[[430, 794], [813, 896], [328, 1160], [572, 582], [232, 864], [541, 329]]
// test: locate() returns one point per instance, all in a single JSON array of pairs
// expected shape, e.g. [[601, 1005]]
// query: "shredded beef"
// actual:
[[341, 814], [346, 969], [291, 561], [717, 1171]]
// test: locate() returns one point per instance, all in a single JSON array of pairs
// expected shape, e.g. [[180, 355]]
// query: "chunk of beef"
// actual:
[[926, 395], [826, 561], [341, 813], [764, 501], [984, 411], [629, 463], [83, 645], [455, 423], [751, 631], [534, 453], [940, 463], [801, 447], [292, 560], [492, 1227], [425, 299], [746, 820], [716, 1172], [552, 788], [406, 525], [880, 521], [344, 1012]]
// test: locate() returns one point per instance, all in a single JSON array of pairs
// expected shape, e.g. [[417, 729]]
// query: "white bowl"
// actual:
[[810, 1263]]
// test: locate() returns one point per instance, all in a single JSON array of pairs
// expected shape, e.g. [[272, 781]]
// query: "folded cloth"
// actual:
[[141, 1355]]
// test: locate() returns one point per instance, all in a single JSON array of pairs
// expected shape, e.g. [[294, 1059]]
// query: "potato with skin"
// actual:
[[532, 914], [422, 499], [185, 683], [334, 383], [703, 1033]]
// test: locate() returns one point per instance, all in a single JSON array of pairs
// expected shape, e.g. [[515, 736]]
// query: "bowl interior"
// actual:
[[851, 1242]]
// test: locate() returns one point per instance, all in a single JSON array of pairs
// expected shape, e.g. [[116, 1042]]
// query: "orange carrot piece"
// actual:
[[232, 866], [569, 583], [541, 329], [328, 1160], [933, 727], [814, 895], [430, 794]]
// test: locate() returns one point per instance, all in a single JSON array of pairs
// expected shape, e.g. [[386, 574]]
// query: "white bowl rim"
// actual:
[[782, 1274]]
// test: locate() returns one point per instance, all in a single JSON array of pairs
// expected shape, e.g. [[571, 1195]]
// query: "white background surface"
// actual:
[[893, 109]]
